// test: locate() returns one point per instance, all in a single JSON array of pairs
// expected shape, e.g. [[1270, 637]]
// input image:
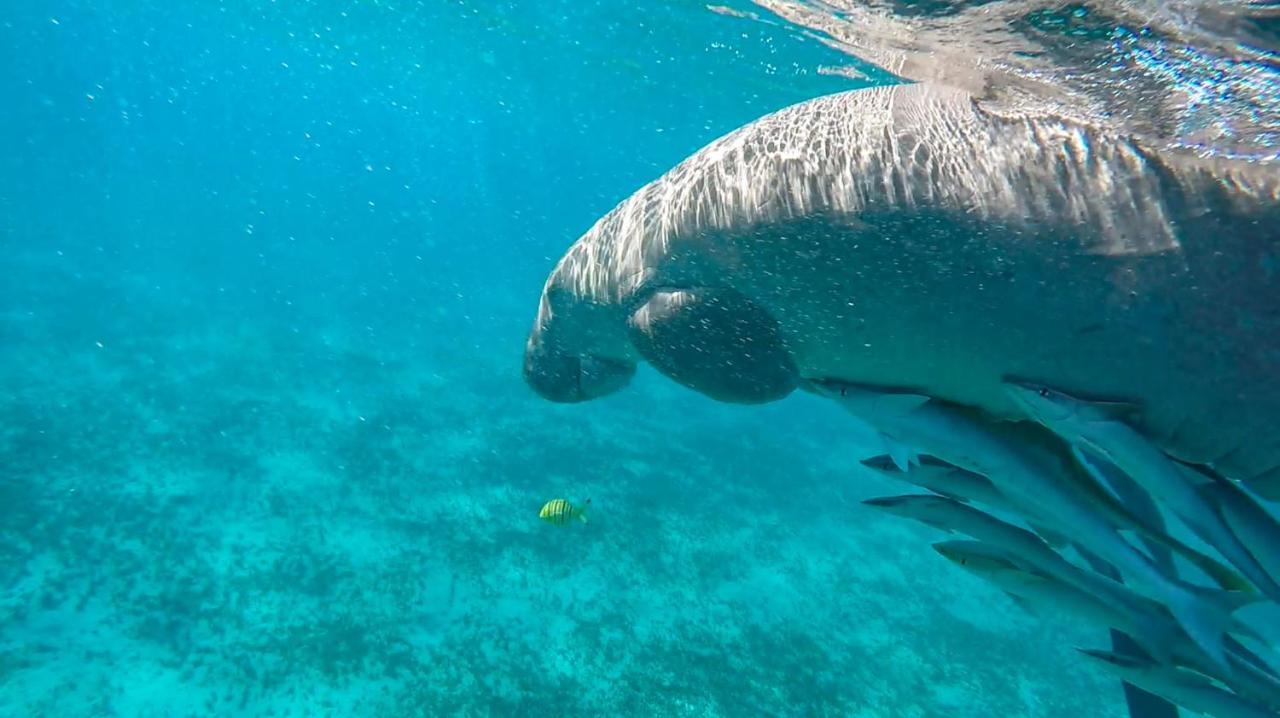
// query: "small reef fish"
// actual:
[[560, 512]]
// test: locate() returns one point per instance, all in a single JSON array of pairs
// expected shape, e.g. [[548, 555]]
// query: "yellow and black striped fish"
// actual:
[[559, 512]]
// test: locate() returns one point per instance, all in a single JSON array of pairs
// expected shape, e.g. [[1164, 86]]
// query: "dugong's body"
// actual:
[[905, 237]]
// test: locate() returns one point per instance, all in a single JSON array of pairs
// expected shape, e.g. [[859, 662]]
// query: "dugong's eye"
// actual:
[[1044, 393]]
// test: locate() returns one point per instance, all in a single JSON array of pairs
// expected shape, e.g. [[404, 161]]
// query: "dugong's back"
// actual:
[[904, 237]]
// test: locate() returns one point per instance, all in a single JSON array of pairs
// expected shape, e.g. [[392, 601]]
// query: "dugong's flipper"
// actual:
[[715, 341]]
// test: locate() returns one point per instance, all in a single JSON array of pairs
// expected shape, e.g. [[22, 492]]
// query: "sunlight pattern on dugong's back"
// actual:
[[904, 236], [892, 147]]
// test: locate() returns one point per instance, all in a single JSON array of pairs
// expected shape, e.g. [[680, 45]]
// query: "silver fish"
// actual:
[[1182, 687], [1255, 526], [964, 438], [1096, 427], [1143, 620]]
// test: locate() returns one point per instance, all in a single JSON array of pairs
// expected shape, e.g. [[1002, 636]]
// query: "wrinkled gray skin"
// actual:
[[904, 237]]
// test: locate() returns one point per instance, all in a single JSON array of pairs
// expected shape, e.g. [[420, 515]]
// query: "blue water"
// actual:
[[266, 273]]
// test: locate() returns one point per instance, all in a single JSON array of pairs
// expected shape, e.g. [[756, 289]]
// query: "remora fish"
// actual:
[[1032, 554], [1096, 427], [944, 479], [932, 473], [962, 437], [1014, 542], [1136, 499], [1143, 620], [1184, 688], [1034, 590], [1251, 522], [951, 516], [953, 482]]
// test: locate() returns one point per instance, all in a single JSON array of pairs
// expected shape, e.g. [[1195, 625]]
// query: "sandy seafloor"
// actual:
[[242, 517]]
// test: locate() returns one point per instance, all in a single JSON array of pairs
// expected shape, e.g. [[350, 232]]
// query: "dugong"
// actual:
[[908, 237]]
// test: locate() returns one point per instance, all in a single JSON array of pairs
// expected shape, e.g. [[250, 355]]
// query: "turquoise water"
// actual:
[[265, 450]]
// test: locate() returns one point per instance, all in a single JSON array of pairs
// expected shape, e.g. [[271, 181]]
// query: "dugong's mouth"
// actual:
[[570, 378]]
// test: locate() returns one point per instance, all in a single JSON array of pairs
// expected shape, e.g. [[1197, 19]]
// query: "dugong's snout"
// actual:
[[567, 378]]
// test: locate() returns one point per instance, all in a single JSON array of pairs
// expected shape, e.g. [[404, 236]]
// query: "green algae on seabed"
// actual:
[[324, 540]]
